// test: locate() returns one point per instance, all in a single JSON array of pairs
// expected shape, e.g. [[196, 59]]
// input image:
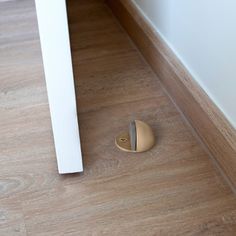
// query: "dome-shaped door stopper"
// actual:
[[139, 138]]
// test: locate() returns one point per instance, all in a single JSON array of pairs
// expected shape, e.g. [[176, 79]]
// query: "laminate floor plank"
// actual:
[[11, 219]]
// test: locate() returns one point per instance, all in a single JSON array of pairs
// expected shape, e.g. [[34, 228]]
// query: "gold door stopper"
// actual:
[[139, 138]]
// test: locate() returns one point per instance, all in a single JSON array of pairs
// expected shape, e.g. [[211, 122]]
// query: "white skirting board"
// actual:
[[55, 45]]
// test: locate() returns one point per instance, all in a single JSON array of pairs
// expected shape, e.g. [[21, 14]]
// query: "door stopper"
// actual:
[[139, 137]]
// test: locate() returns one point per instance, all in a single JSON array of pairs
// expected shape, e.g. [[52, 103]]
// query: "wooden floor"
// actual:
[[173, 189]]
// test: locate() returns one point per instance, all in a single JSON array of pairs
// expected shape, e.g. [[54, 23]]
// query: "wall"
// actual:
[[203, 35]]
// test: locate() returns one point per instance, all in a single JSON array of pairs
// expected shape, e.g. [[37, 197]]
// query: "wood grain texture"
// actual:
[[172, 190], [206, 119], [27, 158]]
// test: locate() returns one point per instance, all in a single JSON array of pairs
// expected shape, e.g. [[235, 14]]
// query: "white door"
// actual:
[[55, 45]]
